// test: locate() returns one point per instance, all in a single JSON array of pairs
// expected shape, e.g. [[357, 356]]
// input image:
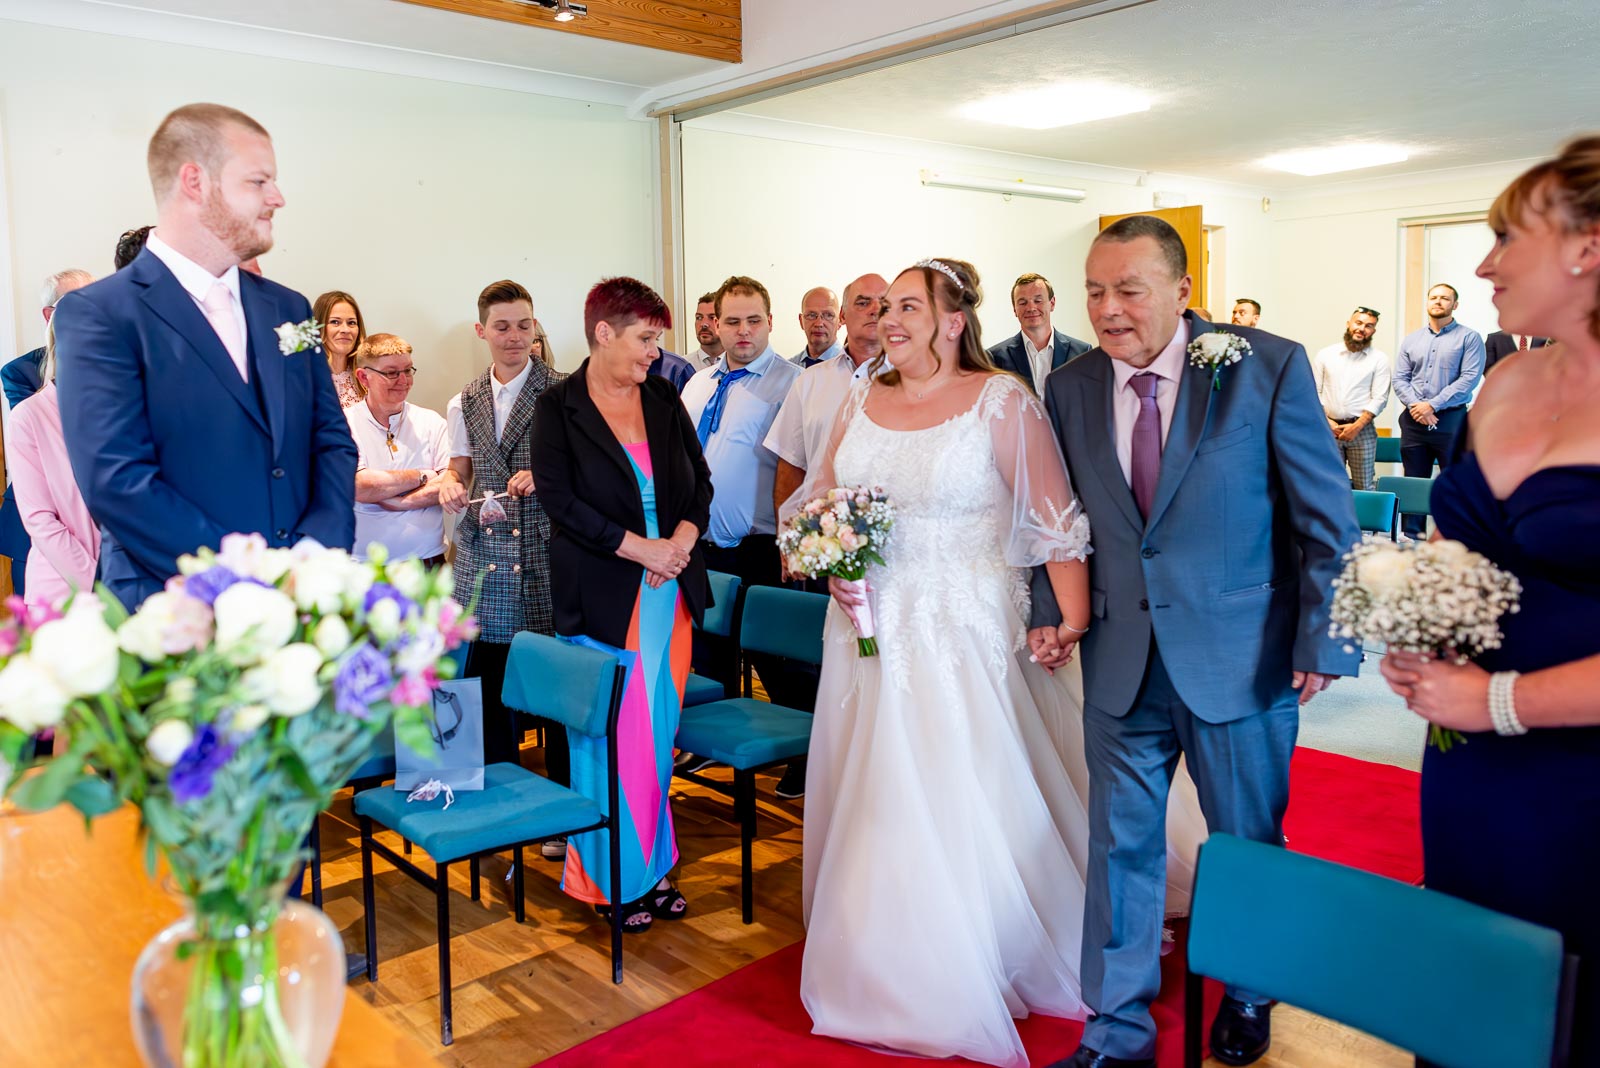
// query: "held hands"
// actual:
[[1453, 696], [1347, 432], [663, 560], [1422, 412], [520, 484], [1051, 647]]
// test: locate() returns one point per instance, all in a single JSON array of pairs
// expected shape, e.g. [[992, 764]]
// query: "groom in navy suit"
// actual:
[[1219, 519], [184, 420]]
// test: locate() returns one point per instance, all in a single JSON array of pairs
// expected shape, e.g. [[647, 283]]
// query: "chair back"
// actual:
[[575, 685], [718, 617], [1452, 982], [1376, 512], [785, 623], [1388, 450], [1415, 494]]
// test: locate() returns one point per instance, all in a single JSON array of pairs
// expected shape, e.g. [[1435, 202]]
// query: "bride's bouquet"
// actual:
[[839, 534], [1436, 597]]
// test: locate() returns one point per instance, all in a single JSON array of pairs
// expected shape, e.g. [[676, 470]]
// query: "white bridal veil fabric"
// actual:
[[946, 836]]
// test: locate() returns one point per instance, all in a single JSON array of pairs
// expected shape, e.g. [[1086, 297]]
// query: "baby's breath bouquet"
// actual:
[[839, 534], [228, 708], [1435, 597]]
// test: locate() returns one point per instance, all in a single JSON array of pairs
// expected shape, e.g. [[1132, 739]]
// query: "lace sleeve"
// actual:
[[819, 476], [1047, 522]]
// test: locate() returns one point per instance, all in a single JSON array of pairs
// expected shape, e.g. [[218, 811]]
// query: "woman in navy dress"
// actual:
[[1511, 819]]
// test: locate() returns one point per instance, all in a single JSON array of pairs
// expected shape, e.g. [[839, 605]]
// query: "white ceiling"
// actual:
[[1461, 82]]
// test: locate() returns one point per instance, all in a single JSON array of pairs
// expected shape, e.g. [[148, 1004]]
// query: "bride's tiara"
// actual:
[[944, 269]]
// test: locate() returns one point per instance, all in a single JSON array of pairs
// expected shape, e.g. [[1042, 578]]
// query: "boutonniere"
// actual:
[[1215, 350], [297, 337]]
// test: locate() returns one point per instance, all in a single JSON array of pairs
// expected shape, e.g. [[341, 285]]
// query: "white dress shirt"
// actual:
[[421, 442], [1168, 369], [1349, 383], [198, 282], [800, 433], [703, 359], [1040, 361], [505, 399]]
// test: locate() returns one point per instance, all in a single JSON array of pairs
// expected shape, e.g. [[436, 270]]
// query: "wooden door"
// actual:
[[1190, 227]]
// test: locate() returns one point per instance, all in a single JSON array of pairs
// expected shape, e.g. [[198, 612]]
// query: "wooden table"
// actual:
[[75, 912]]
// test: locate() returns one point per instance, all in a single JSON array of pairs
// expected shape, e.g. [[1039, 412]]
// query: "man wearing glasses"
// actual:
[[1353, 385], [819, 318], [405, 451]]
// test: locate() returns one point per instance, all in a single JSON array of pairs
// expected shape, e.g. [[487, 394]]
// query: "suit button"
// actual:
[[282, 534], [516, 569], [277, 472], [489, 568], [488, 531], [1144, 605], [515, 533], [1147, 553]]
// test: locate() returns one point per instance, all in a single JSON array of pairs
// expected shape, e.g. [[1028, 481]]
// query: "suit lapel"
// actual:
[[587, 418], [1099, 428], [522, 411], [172, 304], [1058, 351], [267, 358], [1189, 414]]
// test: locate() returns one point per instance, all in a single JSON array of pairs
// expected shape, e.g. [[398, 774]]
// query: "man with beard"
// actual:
[[186, 415], [1246, 312], [705, 332], [1353, 386]]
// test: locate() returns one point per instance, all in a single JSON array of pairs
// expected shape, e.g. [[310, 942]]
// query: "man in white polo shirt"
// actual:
[[1353, 385], [404, 452]]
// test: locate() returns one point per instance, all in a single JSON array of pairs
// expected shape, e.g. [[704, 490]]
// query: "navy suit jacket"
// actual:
[[1011, 355], [172, 449], [1496, 347], [673, 368], [22, 377]]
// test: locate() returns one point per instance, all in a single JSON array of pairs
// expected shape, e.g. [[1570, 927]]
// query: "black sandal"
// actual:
[[636, 916], [667, 904]]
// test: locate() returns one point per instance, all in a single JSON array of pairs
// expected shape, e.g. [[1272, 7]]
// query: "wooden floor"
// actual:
[[525, 992]]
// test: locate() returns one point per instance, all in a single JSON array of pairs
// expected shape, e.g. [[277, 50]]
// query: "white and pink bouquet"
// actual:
[[1436, 597], [839, 534]]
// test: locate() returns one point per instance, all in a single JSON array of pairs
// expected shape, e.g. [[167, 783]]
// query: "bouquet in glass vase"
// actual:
[[839, 534], [1434, 597], [228, 709]]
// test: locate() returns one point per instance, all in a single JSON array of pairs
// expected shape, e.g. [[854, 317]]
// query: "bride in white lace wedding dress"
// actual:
[[945, 841]]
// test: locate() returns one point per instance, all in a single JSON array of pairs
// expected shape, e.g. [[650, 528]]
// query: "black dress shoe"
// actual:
[[1088, 1058], [1241, 1033]]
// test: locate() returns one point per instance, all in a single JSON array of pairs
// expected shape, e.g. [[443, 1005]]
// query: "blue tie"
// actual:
[[711, 418]]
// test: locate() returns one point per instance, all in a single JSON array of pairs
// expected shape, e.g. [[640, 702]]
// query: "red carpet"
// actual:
[[1345, 810]]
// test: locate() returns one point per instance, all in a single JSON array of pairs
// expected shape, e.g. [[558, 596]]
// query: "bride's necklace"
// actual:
[[918, 394]]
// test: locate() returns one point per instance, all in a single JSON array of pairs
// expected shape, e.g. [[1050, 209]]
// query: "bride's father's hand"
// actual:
[[1046, 649], [849, 597], [1311, 683]]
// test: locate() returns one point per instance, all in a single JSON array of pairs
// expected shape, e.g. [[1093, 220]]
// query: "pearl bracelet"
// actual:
[[1503, 705]]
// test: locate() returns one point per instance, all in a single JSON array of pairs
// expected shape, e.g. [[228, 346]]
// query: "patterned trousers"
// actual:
[[1359, 453]]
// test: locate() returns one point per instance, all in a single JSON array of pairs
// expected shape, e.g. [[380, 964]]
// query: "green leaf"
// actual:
[[93, 796], [411, 730], [49, 787]]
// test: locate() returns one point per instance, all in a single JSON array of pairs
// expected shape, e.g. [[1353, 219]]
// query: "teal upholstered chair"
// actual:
[[1415, 494], [749, 735], [1388, 450], [1378, 513], [718, 620], [1453, 982], [577, 687]]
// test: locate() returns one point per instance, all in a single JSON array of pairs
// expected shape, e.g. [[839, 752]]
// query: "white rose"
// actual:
[[181, 691], [1215, 344], [247, 556], [1384, 572], [423, 651], [79, 649], [168, 741], [286, 681], [384, 620], [30, 697], [410, 578], [246, 718], [319, 582], [332, 636], [252, 621], [358, 579]]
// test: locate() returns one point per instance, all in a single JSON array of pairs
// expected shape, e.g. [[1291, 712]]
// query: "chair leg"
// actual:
[[616, 906], [1194, 1005], [519, 907], [315, 841], [368, 902], [405, 844], [472, 866], [442, 897], [744, 789]]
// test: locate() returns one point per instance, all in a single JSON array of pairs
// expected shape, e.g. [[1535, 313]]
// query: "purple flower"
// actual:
[[382, 591], [204, 586], [363, 679], [192, 775]]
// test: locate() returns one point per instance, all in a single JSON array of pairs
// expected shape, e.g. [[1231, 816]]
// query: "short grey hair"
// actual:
[[50, 292]]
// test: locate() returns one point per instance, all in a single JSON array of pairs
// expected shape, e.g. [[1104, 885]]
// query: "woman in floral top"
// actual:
[[343, 331]]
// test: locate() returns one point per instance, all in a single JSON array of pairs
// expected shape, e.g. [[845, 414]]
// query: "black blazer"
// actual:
[[1498, 345], [589, 491], [1011, 355]]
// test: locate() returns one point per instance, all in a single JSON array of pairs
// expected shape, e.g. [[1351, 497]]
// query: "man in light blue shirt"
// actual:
[[1434, 375], [819, 319]]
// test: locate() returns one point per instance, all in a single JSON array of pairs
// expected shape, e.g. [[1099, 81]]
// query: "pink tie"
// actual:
[[1146, 459], [218, 306]]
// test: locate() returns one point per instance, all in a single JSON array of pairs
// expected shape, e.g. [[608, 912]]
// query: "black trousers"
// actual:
[[755, 560], [1421, 448], [502, 726]]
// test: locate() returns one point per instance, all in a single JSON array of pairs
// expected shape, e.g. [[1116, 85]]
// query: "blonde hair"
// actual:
[[1565, 190], [380, 345], [543, 339], [194, 133]]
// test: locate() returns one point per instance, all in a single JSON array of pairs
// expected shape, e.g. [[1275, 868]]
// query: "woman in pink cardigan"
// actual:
[[66, 541]]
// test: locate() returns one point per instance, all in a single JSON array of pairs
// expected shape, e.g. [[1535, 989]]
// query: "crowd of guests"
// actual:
[[594, 503]]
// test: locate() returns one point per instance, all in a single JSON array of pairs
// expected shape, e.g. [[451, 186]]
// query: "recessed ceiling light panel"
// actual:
[[1314, 161], [1051, 106]]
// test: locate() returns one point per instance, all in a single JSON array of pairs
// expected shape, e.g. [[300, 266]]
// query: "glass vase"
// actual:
[[255, 987]]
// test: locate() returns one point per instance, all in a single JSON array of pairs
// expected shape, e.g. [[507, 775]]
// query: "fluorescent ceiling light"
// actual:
[[1010, 187], [1314, 161], [1050, 106]]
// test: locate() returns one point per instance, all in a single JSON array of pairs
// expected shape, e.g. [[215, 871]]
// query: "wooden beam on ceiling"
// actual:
[[710, 29]]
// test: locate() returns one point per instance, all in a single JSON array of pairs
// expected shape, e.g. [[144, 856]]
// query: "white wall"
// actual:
[[412, 194], [795, 215]]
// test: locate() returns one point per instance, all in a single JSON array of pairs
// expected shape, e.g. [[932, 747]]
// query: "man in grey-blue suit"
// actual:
[[1220, 516], [1038, 348]]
